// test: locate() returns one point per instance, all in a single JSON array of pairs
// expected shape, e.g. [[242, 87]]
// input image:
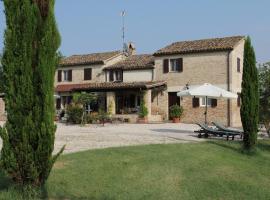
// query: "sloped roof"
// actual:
[[109, 86], [205, 45], [88, 59], [143, 61]]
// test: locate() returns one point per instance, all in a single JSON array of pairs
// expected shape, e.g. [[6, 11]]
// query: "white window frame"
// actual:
[[88, 109], [203, 100], [65, 75], [171, 67]]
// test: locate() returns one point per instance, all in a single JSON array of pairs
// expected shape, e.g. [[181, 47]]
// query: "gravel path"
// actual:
[[77, 138]]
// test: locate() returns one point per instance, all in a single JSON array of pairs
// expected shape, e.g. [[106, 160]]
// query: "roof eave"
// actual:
[[82, 64], [157, 54]]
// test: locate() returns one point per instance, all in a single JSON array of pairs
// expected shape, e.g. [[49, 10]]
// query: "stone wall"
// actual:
[[236, 81], [159, 104], [98, 75], [197, 69], [200, 68], [2, 110], [195, 115]]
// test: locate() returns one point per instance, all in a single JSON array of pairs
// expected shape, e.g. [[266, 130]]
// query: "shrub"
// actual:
[[103, 116], [143, 110], [74, 113], [176, 111], [92, 118]]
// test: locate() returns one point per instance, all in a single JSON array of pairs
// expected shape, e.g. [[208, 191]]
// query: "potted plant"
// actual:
[[175, 113], [143, 112]]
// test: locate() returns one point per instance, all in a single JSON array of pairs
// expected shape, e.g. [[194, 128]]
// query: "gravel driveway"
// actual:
[[77, 138]]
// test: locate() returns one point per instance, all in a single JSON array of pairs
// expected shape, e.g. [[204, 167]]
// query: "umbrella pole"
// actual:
[[206, 102]]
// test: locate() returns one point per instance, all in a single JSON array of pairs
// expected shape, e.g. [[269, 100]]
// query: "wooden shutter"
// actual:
[[59, 76], [121, 75], [195, 102], [58, 104], [111, 76], [70, 75], [239, 100], [238, 64], [180, 64], [88, 74], [165, 66], [214, 103]]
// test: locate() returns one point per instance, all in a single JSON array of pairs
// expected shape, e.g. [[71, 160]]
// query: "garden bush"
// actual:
[[176, 111], [74, 113]]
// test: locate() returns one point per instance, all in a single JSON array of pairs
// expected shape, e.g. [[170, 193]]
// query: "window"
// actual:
[[176, 65], [65, 75], [203, 102], [65, 100], [238, 65], [173, 65], [88, 74], [118, 75], [138, 103]]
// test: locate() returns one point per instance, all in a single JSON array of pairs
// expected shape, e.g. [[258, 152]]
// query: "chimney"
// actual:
[[131, 49]]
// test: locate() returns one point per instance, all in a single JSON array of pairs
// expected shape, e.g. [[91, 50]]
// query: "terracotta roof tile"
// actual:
[[215, 44], [143, 61], [88, 59], [109, 86]]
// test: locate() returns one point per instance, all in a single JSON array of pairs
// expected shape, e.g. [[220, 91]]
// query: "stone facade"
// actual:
[[2, 110], [218, 68], [193, 115], [98, 75]]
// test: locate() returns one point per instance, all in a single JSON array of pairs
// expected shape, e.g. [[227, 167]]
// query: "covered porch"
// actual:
[[120, 99]]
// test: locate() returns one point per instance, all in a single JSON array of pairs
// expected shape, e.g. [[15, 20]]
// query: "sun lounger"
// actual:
[[220, 127], [206, 131]]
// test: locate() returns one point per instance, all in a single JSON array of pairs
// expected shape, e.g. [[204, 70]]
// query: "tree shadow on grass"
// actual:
[[264, 145], [231, 145], [5, 182]]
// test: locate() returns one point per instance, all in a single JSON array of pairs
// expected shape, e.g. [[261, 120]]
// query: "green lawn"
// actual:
[[209, 170]]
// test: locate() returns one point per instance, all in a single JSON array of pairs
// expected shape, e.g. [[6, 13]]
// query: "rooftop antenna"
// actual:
[[123, 13]]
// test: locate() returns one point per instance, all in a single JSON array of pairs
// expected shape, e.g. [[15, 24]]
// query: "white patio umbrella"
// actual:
[[56, 96], [208, 91]]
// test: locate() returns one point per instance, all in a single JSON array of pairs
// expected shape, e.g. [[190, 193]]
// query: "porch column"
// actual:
[[148, 102], [111, 103]]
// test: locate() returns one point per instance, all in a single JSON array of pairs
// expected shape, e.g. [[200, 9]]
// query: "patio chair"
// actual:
[[220, 127], [206, 131]]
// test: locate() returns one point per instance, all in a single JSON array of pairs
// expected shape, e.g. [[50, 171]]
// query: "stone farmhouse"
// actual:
[[121, 80]]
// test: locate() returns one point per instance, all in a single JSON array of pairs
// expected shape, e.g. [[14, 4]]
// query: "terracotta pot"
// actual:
[[142, 120], [176, 120]]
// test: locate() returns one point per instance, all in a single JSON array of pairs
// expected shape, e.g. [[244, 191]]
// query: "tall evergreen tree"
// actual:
[[250, 97], [29, 62], [1, 76]]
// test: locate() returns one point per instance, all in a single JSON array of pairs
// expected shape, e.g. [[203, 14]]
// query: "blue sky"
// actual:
[[95, 25]]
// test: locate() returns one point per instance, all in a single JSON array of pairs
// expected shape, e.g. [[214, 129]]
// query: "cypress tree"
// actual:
[[250, 97], [29, 64]]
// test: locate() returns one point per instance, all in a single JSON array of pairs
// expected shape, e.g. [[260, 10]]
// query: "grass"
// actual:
[[209, 170]]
